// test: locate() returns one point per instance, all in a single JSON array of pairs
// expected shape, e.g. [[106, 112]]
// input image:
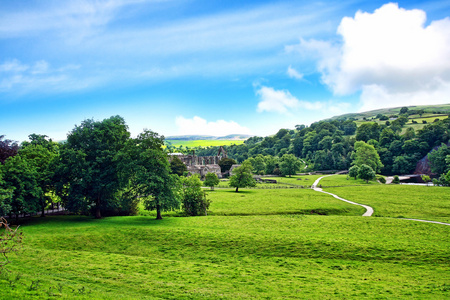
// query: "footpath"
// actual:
[[369, 210]]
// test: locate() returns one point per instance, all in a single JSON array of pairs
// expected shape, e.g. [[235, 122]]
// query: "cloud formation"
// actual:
[[281, 101], [200, 126], [293, 73], [390, 56]]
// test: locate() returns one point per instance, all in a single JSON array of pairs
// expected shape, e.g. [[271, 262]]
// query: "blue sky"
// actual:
[[215, 67]]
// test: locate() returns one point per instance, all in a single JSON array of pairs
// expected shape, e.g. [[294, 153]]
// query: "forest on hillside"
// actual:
[[329, 144]]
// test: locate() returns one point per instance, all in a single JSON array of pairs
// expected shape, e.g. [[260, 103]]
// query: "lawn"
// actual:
[[278, 202], [344, 180], [230, 257], [405, 201]]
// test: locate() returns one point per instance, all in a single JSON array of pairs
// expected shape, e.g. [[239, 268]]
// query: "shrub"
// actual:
[[381, 179], [396, 179]]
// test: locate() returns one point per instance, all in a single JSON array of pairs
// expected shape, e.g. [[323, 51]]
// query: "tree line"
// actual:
[[330, 145], [100, 170]]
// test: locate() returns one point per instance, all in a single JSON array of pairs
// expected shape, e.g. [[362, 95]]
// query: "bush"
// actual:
[[381, 179], [396, 179]]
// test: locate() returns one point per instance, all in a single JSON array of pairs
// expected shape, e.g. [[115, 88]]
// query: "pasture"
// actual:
[[203, 143], [254, 244]]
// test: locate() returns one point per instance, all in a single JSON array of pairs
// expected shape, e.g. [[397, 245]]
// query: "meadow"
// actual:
[[203, 143], [257, 243]]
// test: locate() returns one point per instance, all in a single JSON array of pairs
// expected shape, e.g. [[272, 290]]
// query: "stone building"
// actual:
[[201, 165]]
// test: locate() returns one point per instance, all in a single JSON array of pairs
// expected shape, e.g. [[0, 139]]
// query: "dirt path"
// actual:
[[369, 210]]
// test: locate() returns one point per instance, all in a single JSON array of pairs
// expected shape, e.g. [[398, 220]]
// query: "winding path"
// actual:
[[369, 210]]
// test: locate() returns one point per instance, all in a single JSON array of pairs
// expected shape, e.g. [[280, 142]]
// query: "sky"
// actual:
[[181, 67]]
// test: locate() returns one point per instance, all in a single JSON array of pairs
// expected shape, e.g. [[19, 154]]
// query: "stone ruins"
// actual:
[[202, 165]]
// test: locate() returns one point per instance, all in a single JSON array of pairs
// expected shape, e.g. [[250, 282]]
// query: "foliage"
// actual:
[[366, 154], [242, 176], [88, 171], [225, 164], [444, 180], [353, 171], [8, 148], [193, 198], [211, 180], [20, 180], [438, 161], [145, 172], [366, 173], [425, 178], [396, 179], [10, 240], [177, 166], [289, 164], [42, 155]]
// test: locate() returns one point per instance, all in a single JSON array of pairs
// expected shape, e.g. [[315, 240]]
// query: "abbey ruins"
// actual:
[[201, 165]]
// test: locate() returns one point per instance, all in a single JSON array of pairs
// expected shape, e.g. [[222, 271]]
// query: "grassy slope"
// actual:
[[420, 202], [285, 256], [273, 253]]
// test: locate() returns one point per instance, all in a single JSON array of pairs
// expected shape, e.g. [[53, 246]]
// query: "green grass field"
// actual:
[[255, 244], [204, 143], [405, 201]]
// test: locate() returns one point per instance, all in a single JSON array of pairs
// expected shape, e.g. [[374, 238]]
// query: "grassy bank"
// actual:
[[279, 257]]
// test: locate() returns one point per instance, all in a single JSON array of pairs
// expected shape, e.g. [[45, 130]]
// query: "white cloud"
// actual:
[[22, 78], [282, 101], [293, 73], [199, 126], [388, 55]]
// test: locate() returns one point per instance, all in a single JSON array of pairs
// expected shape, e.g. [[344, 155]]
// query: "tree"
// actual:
[[145, 172], [403, 110], [20, 179], [271, 164], [177, 166], [8, 148], [259, 165], [42, 159], [193, 198], [5, 197], [289, 164], [366, 173], [211, 180], [88, 174], [353, 171], [366, 154], [225, 164], [242, 176], [437, 159]]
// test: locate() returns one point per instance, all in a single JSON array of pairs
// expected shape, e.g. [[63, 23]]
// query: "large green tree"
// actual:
[[145, 171], [88, 171], [289, 164], [366, 154], [42, 153], [177, 166], [366, 173], [20, 180], [242, 176]]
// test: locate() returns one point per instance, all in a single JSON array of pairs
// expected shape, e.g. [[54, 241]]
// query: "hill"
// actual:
[[427, 109], [208, 137]]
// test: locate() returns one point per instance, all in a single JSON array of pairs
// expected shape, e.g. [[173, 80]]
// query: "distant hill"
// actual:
[[432, 109], [208, 137]]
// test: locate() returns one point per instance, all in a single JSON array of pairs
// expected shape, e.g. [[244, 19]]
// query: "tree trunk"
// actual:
[[158, 212], [237, 189], [98, 214], [43, 212]]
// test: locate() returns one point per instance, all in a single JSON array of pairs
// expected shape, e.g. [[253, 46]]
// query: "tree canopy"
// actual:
[[242, 176]]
